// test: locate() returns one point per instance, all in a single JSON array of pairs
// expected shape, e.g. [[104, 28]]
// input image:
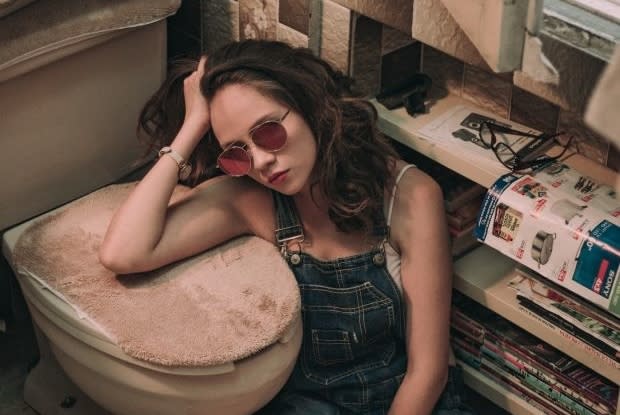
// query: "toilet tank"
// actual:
[[68, 116]]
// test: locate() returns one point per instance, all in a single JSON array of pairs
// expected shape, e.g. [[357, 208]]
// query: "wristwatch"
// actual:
[[185, 168]]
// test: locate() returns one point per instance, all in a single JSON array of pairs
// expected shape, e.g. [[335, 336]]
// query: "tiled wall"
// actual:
[[374, 42]]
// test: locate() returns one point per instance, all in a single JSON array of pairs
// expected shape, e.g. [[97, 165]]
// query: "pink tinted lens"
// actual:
[[271, 136], [235, 161]]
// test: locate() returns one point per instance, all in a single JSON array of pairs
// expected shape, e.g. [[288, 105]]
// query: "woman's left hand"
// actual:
[[196, 105]]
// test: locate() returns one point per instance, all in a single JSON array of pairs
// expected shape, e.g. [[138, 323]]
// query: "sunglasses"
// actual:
[[236, 159], [511, 159]]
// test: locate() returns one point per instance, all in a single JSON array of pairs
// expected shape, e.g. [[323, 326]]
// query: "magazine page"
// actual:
[[580, 188], [568, 240]]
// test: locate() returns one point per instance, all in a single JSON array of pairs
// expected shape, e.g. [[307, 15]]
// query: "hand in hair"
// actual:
[[196, 105]]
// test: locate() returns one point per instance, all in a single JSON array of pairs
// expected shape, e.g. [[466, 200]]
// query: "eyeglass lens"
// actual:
[[237, 161]]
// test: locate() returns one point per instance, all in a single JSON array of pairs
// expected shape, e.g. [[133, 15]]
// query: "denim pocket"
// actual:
[[347, 330], [331, 347]]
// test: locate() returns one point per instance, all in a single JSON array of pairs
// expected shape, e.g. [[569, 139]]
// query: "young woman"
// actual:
[[363, 232]]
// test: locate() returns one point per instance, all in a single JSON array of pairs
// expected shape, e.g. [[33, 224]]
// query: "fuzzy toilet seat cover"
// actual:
[[217, 307]]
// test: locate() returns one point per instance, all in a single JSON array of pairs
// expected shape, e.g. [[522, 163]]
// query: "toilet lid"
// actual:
[[217, 307]]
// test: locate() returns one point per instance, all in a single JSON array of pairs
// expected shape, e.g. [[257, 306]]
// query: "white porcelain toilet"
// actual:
[[124, 385], [68, 128]]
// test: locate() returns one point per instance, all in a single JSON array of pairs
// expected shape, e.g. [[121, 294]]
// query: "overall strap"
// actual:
[[287, 220]]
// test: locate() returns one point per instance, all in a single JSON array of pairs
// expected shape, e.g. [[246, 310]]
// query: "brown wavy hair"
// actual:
[[354, 160]]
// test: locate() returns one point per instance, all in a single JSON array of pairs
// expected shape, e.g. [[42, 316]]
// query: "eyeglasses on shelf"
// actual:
[[510, 158]]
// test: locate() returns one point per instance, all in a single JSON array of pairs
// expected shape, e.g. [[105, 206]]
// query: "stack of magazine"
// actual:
[[562, 225], [538, 373], [599, 332]]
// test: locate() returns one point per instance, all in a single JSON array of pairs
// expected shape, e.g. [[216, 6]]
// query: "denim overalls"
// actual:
[[353, 355]]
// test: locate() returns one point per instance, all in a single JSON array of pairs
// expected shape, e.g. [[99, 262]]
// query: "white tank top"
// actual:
[[392, 257]]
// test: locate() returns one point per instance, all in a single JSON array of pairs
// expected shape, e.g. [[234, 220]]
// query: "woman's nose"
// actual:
[[262, 158]]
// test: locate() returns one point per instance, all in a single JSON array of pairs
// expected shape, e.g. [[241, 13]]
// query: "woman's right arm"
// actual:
[[148, 231]]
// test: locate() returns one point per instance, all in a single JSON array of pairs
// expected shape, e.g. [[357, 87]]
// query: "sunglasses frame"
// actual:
[[244, 148], [519, 165]]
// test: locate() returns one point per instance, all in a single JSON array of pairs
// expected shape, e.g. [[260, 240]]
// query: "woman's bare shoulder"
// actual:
[[415, 186], [418, 204]]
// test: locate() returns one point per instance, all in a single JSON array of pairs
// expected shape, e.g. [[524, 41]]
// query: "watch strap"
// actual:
[[184, 165]]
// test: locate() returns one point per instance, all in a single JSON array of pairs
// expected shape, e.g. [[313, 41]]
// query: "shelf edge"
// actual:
[[493, 292]]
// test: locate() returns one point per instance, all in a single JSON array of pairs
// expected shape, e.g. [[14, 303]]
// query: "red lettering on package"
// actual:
[[600, 276], [563, 272], [520, 250], [538, 207], [578, 233]]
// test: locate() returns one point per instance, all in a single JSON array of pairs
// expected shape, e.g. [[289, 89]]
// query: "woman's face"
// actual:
[[236, 109]]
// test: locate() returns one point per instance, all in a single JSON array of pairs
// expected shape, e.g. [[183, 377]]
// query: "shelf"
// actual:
[[496, 393], [404, 128], [483, 275]]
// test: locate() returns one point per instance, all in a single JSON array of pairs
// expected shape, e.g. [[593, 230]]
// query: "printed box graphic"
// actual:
[[560, 224]]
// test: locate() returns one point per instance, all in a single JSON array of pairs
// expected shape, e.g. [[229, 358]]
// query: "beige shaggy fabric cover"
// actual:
[[220, 306]]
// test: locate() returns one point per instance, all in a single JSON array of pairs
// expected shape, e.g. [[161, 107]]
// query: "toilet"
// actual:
[[120, 384], [124, 385], [57, 147]]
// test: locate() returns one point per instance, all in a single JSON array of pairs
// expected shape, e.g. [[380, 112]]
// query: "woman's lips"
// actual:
[[278, 177]]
